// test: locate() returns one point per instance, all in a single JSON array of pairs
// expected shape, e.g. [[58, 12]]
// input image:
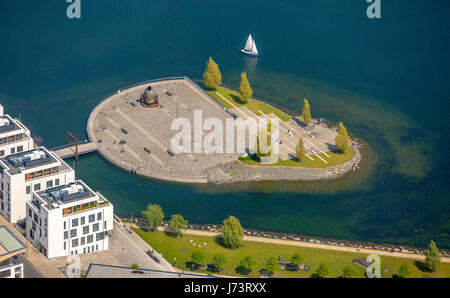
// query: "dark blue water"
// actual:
[[387, 80]]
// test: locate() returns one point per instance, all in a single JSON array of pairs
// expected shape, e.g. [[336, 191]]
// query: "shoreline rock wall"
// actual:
[[238, 172]]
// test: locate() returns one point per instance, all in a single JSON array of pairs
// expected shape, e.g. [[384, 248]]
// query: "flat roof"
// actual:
[[29, 159], [109, 271], [67, 193], [9, 243]]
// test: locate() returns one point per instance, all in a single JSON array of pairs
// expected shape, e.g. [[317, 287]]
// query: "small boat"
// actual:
[[250, 47]]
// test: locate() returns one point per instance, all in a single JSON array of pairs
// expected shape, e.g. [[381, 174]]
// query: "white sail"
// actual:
[[254, 50], [249, 44]]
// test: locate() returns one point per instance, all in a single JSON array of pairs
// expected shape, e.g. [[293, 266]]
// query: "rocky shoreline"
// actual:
[[238, 172]]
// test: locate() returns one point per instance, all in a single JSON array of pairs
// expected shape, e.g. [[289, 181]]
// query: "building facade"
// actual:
[[14, 136], [69, 219], [22, 173]]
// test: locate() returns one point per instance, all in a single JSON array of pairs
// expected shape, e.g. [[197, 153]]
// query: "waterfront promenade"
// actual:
[[138, 139], [314, 245]]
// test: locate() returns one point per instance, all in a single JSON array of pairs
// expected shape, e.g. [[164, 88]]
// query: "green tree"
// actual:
[[198, 256], [404, 271], [177, 224], [212, 78], [271, 265], [306, 111], [342, 140], [153, 216], [323, 270], [219, 260], [300, 149], [297, 259], [232, 232], [244, 89], [349, 272], [248, 263], [432, 257], [135, 266]]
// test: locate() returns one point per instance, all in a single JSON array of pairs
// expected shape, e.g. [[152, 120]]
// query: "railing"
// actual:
[[86, 141]]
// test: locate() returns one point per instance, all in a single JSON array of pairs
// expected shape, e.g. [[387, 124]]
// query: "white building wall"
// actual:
[[18, 185], [58, 224]]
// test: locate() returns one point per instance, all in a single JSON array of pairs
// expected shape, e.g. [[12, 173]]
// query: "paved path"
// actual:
[[136, 246], [82, 149], [318, 246], [42, 265]]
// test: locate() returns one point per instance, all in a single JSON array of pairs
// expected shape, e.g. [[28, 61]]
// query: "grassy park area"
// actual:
[[252, 105], [180, 250], [335, 158]]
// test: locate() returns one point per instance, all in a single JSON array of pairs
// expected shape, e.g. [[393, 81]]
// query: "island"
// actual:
[[134, 128]]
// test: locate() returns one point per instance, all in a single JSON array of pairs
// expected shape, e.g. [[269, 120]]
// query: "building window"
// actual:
[[91, 218], [105, 225], [75, 222], [30, 213], [37, 186], [49, 183], [74, 242], [56, 182], [66, 235], [90, 238], [2, 152], [20, 149], [99, 216], [65, 225], [13, 150], [99, 236], [83, 241], [83, 220], [64, 245], [73, 233], [85, 230], [28, 190], [95, 227]]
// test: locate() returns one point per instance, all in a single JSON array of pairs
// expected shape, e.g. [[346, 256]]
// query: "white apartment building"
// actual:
[[14, 136], [22, 173], [69, 219]]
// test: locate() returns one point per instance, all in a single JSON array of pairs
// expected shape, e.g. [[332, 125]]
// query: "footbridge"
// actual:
[[76, 149]]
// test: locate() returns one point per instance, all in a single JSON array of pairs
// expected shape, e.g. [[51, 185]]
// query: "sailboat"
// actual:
[[250, 47]]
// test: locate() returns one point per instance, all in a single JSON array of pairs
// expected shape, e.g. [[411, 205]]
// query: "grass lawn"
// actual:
[[181, 249], [252, 105], [335, 158]]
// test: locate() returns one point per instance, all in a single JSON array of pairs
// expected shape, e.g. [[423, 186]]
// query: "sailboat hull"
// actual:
[[249, 53]]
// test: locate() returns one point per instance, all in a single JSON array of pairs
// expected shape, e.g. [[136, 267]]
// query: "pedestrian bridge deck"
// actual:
[[68, 152]]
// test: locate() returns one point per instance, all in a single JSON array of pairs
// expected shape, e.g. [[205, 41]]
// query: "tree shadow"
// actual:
[[265, 273], [422, 266], [315, 276], [237, 99], [191, 265], [171, 234], [242, 271]]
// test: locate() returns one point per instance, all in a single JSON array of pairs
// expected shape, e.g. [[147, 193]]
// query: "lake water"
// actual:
[[386, 79]]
